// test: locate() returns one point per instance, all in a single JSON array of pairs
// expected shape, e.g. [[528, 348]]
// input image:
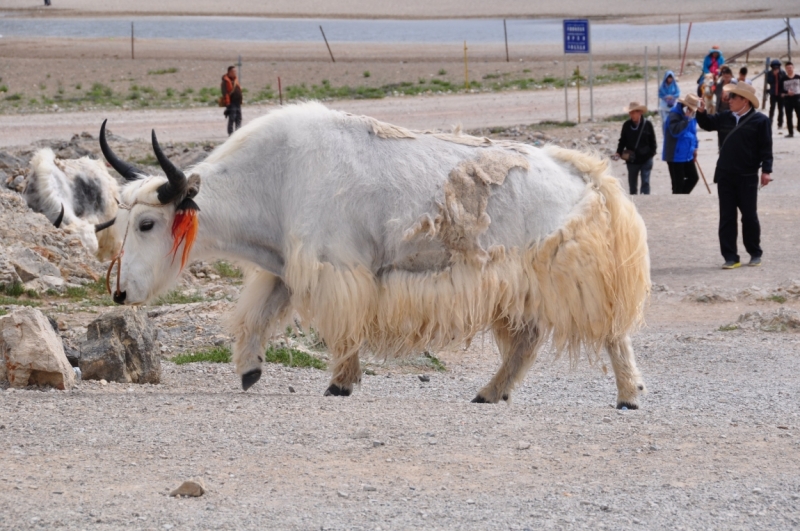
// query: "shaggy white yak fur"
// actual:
[[394, 241], [88, 194]]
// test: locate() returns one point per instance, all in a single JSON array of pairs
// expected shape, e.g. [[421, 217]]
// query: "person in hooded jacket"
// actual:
[[680, 144], [638, 139], [668, 94], [712, 63]]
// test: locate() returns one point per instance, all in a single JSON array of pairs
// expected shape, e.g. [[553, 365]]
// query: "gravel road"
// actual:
[[716, 444]]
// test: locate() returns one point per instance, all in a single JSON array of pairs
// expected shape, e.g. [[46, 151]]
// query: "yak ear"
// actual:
[[192, 185]]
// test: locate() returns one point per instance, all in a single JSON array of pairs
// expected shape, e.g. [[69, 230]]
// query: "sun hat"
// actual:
[[744, 90], [635, 106], [691, 101]]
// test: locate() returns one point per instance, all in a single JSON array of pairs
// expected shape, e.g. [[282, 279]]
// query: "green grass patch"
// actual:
[[442, 72], [12, 290], [2, 312], [3, 88], [293, 358], [211, 355], [728, 328], [162, 71], [14, 97], [147, 160], [226, 270], [366, 73], [176, 297], [434, 362], [553, 123], [780, 299], [6, 301]]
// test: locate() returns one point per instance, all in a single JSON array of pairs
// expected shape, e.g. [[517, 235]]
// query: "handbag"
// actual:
[[629, 154]]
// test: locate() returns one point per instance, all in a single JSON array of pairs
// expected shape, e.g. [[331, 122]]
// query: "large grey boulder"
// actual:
[[31, 353], [121, 347], [30, 265]]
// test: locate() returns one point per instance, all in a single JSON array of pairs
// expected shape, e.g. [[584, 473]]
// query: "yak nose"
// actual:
[[119, 297]]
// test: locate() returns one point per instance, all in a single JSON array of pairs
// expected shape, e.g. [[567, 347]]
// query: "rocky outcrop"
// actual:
[[121, 347], [31, 352]]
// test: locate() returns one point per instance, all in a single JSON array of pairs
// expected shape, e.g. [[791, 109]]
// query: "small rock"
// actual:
[[363, 433], [103, 382], [471, 502], [523, 445], [424, 378], [291, 389], [343, 494], [756, 491], [369, 488], [193, 489], [375, 444], [606, 419]]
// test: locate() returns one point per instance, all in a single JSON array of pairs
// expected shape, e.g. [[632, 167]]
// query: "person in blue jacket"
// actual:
[[711, 65], [680, 144], [668, 94]]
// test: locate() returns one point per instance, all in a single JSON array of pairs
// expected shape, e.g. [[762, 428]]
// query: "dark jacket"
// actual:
[[680, 136], [748, 148], [647, 145], [775, 87]]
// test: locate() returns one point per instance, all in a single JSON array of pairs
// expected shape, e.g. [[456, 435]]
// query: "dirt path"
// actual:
[[424, 112]]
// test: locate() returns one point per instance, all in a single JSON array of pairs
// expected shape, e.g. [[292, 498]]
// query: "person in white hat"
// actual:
[[680, 144], [637, 146], [746, 145]]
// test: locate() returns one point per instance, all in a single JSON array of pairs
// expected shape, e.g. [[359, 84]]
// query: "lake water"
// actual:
[[542, 31]]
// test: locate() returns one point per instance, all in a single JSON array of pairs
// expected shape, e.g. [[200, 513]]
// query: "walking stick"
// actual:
[[697, 163]]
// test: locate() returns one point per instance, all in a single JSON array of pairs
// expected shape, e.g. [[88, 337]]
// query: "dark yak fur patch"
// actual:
[[87, 196]]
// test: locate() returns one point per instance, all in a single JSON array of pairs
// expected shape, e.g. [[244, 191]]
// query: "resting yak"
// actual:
[[396, 241], [78, 195]]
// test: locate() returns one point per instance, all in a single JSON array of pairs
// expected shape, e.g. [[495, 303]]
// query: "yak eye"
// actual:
[[145, 225]]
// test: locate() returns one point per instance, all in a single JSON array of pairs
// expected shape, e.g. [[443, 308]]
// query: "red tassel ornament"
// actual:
[[184, 229]]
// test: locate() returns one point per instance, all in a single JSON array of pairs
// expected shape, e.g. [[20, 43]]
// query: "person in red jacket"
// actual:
[[232, 99]]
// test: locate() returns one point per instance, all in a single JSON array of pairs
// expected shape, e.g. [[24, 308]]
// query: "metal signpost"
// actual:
[[577, 33]]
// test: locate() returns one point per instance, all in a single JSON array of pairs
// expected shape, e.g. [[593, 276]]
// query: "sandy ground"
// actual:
[[418, 8], [715, 445]]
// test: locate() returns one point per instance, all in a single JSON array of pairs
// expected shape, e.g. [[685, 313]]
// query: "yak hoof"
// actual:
[[628, 405], [249, 378], [479, 400], [335, 390]]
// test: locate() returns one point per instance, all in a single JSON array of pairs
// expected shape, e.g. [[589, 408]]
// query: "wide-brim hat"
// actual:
[[744, 90], [691, 101], [635, 106]]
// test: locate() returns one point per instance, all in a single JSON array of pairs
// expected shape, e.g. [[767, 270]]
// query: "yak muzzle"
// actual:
[[119, 297]]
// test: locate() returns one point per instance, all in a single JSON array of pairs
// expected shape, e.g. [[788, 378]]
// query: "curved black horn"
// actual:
[[104, 225], [60, 218], [177, 179], [131, 173]]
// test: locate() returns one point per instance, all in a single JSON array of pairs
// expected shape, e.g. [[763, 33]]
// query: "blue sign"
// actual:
[[576, 36]]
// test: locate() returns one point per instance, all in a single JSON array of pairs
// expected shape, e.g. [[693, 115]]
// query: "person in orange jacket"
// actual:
[[232, 99]]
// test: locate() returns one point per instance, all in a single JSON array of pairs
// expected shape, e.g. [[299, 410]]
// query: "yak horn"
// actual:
[[177, 180], [104, 225], [129, 172], [60, 217]]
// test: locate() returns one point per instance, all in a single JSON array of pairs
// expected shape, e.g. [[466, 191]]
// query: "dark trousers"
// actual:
[[234, 114], [792, 106], [633, 176], [737, 192], [773, 102], [683, 175]]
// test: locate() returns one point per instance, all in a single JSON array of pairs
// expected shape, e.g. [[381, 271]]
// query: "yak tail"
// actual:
[[593, 274]]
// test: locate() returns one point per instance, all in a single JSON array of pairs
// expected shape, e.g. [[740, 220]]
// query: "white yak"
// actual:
[[78, 195], [396, 241]]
